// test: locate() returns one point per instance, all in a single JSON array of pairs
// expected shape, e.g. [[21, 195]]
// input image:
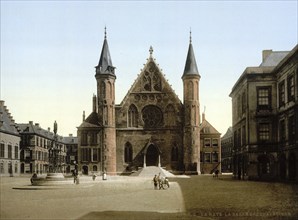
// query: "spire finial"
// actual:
[[190, 36], [105, 32], [151, 51]]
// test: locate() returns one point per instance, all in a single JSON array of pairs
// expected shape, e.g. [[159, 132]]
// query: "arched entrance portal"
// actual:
[[151, 155]]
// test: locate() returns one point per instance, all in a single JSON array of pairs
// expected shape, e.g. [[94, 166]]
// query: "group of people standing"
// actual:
[[160, 182]]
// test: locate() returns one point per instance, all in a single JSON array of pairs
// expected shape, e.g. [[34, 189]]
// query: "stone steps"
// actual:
[[150, 171]]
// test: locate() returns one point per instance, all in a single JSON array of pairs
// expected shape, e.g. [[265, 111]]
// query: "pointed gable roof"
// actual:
[[190, 64], [105, 65], [207, 128], [158, 85]]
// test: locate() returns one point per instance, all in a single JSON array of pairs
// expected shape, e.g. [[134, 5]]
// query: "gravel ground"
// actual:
[[198, 197]]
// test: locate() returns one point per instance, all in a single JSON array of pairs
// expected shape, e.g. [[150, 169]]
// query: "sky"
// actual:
[[49, 50]]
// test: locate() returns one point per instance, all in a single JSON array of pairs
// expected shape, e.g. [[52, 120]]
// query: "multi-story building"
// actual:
[[226, 151], [35, 145], [210, 148], [265, 118], [9, 143], [150, 127], [71, 144]]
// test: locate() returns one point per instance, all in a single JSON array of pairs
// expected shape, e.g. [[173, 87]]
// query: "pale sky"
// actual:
[[49, 50]]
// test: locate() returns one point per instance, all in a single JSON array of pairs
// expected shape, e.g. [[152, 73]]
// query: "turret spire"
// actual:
[[105, 65], [190, 64]]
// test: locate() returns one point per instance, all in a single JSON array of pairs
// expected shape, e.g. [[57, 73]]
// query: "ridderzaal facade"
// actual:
[[150, 127]]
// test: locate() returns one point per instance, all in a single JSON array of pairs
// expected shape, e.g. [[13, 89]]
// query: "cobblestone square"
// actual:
[[197, 197]]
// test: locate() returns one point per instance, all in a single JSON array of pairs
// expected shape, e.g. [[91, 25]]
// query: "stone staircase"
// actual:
[[150, 171]]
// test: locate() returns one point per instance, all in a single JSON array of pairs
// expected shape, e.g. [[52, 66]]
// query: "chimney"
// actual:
[[37, 124], [31, 122], [265, 54], [203, 116], [83, 116], [49, 129], [70, 135], [94, 103]]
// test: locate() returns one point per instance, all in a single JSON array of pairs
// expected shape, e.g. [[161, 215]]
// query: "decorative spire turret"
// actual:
[[190, 64], [105, 65]]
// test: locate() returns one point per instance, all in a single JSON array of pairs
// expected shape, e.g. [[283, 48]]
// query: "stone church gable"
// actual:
[[150, 93]]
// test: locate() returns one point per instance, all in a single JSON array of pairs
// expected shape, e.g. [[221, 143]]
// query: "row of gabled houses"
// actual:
[[24, 148]]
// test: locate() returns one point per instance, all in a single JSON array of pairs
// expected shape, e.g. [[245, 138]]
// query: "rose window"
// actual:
[[152, 116]]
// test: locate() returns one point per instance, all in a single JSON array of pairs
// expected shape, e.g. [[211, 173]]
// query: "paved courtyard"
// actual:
[[198, 197]]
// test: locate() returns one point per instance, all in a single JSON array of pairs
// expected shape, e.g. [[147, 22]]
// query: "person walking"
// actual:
[[155, 181]]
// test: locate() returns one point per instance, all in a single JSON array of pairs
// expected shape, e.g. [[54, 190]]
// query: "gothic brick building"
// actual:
[[150, 127]]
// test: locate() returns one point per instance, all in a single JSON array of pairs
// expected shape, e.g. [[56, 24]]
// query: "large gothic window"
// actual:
[[170, 118], [132, 116], [152, 116], [151, 78], [128, 153]]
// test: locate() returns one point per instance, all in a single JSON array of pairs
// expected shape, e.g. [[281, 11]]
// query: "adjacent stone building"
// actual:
[[210, 148], [227, 151], [150, 127], [265, 118], [71, 144], [9, 143], [35, 145]]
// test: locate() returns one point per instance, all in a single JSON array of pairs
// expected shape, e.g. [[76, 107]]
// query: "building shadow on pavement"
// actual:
[[124, 215]]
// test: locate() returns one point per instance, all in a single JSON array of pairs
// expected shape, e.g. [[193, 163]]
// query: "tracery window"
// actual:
[[152, 116], [170, 115], [132, 116], [151, 78]]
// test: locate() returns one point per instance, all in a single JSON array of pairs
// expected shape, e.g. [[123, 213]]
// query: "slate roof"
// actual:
[[206, 124], [274, 58], [105, 65], [190, 64], [91, 121]]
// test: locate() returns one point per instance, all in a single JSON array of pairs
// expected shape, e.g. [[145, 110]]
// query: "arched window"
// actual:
[[190, 90], [170, 115], [174, 155], [103, 89], [132, 116], [128, 153]]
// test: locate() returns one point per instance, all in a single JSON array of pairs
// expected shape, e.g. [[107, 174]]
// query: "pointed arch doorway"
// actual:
[[151, 155]]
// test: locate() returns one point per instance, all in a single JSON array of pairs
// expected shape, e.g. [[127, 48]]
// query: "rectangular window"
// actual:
[[16, 152], [207, 157], [243, 135], [85, 154], [95, 154], [243, 102], [214, 142], [9, 152], [281, 93], [214, 157], [291, 88], [264, 132], [84, 138], [2, 150], [207, 142], [292, 129], [264, 98], [282, 131]]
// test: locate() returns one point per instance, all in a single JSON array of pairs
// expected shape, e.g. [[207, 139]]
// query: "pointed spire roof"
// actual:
[[190, 64], [105, 65]]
